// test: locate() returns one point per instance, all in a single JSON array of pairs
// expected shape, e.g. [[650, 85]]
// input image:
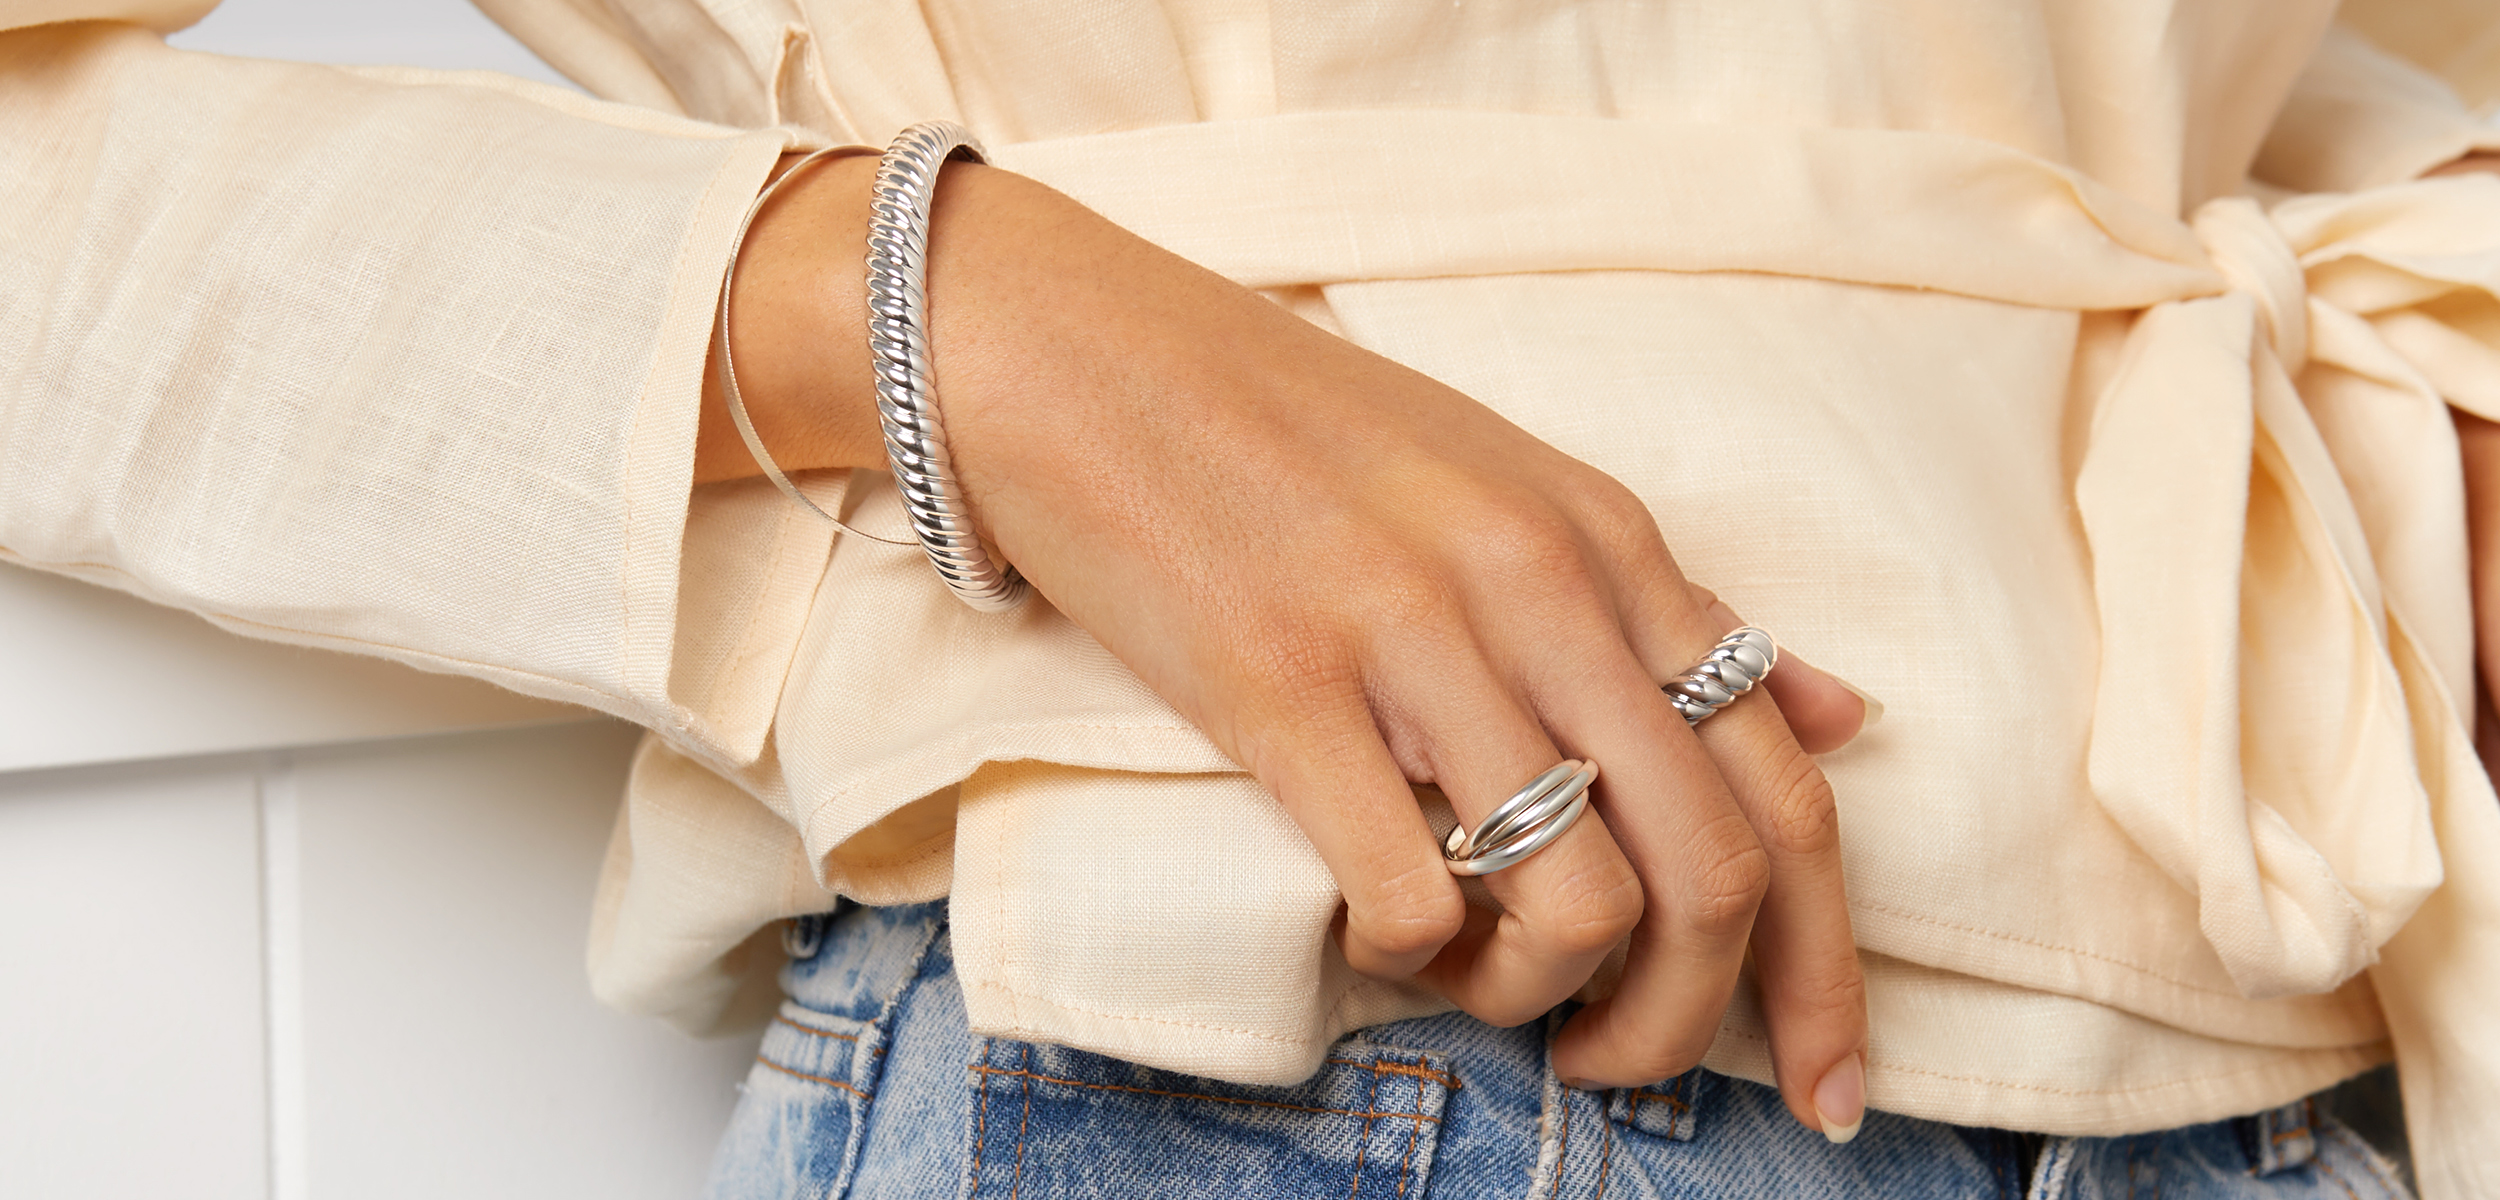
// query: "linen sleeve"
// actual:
[[2363, 114], [394, 362]]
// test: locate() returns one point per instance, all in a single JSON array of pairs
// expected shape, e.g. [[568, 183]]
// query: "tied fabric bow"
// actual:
[[2286, 486]]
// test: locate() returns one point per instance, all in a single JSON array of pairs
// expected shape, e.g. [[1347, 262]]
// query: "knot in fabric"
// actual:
[[2254, 259]]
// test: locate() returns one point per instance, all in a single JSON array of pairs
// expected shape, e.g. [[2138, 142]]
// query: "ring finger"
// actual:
[[1565, 906]]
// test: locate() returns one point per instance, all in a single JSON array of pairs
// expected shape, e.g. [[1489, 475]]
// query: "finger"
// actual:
[[1335, 777], [1823, 712], [1814, 990], [1648, 591], [2478, 442], [1565, 907], [1692, 848], [1701, 870]]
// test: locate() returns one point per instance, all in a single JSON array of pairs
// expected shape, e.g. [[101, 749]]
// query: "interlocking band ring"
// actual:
[[1732, 667], [1529, 821]]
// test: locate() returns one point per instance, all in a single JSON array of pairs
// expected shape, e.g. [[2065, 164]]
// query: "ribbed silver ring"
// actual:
[[898, 347], [1732, 667], [1532, 819]]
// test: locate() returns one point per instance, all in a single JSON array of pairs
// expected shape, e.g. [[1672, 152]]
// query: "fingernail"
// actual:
[[1874, 707], [1840, 1100]]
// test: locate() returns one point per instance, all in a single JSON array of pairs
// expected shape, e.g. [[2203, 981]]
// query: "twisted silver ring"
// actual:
[[1732, 667], [1529, 821], [898, 348]]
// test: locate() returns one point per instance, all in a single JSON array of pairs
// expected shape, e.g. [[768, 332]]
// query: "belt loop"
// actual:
[[2283, 1138]]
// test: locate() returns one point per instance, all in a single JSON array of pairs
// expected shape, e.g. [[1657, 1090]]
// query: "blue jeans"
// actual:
[[869, 1085]]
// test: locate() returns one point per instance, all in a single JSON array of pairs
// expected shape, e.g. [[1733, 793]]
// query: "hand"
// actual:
[[1353, 577], [2479, 443]]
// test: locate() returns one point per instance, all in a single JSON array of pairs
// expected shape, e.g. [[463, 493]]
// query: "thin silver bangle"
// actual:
[[736, 399], [898, 349]]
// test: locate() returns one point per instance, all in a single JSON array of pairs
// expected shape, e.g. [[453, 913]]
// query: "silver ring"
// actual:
[[1732, 667], [1529, 821]]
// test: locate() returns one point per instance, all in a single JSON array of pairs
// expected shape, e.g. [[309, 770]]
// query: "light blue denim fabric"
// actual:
[[869, 1085]]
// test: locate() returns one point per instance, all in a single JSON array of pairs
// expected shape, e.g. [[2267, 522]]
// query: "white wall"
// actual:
[[408, 33]]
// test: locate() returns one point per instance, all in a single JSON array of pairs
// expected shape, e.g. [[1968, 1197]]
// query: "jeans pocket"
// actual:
[[797, 1130], [1052, 1122]]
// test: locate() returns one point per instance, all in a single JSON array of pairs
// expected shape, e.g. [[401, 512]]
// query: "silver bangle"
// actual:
[[898, 349], [728, 365]]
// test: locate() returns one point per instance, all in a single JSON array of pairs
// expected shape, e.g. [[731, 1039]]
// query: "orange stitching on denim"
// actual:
[[1364, 1144], [2372, 1164], [810, 1029], [1394, 1067], [1641, 1096], [2131, 1149], [980, 1116], [811, 1078], [1413, 1128], [1114, 1087], [2308, 1117], [1024, 1124], [2331, 1173], [1605, 1159]]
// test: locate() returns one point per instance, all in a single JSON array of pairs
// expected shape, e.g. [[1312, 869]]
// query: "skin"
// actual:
[[2478, 442], [1353, 577]]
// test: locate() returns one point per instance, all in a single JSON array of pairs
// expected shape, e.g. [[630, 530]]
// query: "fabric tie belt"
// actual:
[[2268, 491], [2276, 743]]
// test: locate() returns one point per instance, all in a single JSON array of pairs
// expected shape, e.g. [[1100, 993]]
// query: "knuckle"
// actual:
[[1527, 538], [1406, 592], [1615, 510], [1825, 996], [1801, 818], [1665, 1057], [1411, 913], [1303, 671], [1596, 911], [1731, 873]]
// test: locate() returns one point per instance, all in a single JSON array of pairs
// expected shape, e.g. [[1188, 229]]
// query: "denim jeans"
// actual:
[[869, 1085]]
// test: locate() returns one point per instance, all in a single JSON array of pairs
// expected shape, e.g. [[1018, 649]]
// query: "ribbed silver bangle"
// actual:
[[898, 347]]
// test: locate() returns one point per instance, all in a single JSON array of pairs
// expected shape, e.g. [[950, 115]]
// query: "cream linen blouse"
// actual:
[[1949, 339]]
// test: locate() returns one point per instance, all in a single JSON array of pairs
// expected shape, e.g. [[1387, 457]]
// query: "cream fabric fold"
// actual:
[[1886, 207], [2136, 508]]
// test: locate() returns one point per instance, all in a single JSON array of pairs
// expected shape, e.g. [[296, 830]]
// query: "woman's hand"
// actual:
[[1352, 577], [2478, 442]]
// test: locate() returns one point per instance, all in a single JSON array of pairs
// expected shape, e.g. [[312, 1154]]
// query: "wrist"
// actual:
[[797, 328]]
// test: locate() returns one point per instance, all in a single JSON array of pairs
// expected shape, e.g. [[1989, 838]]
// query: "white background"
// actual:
[[278, 923]]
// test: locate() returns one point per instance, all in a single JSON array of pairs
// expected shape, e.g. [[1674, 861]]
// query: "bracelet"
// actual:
[[728, 366], [898, 348], [898, 340]]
